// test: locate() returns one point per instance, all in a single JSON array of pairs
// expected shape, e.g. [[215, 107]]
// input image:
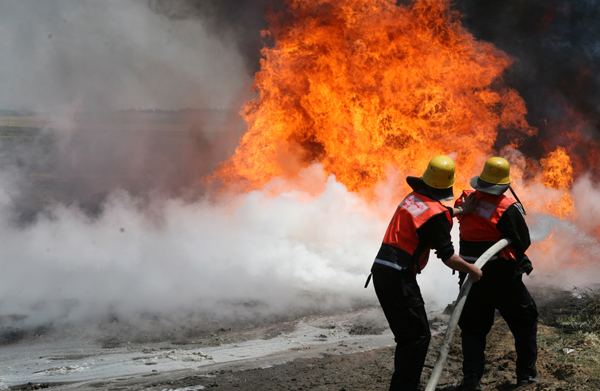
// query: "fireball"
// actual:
[[364, 86]]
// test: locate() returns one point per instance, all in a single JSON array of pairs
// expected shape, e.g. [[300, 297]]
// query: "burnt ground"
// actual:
[[568, 360]]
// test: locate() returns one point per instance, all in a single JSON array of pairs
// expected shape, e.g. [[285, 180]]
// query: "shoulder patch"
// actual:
[[413, 205], [485, 209]]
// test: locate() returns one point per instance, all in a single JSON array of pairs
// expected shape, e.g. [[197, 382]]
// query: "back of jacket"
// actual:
[[401, 243], [495, 217]]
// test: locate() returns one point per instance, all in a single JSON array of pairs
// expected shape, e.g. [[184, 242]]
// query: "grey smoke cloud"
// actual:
[[69, 56], [556, 50], [111, 55], [239, 20]]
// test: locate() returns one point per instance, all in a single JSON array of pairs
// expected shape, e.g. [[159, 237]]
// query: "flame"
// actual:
[[575, 134], [558, 174], [361, 86], [557, 169]]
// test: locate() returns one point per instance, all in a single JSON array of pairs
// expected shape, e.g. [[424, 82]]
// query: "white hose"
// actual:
[[460, 303]]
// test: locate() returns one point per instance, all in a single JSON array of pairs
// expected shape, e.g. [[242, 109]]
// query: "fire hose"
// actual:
[[460, 303]]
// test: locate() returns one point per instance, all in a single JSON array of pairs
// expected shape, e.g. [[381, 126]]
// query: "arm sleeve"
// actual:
[[512, 225], [435, 233]]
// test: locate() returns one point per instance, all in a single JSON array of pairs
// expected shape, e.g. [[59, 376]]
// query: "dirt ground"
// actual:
[[566, 362], [371, 370]]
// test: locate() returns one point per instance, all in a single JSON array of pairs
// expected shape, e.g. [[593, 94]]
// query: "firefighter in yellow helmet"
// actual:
[[501, 288], [419, 224]]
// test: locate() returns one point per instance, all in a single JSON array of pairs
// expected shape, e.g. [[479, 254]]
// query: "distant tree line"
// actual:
[[17, 113]]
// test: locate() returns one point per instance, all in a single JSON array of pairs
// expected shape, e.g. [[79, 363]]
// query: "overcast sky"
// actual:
[[109, 55]]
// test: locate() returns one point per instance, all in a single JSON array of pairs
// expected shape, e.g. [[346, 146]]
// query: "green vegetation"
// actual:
[[585, 317], [572, 338]]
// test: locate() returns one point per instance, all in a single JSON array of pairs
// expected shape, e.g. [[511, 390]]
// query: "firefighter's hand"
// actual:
[[469, 204], [475, 273]]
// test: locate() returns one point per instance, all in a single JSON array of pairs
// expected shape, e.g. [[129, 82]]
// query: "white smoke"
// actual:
[[256, 254], [567, 251], [111, 55], [265, 253], [163, 255], [169, 255]]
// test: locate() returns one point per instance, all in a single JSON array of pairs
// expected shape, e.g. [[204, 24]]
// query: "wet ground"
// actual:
[[348, 351]]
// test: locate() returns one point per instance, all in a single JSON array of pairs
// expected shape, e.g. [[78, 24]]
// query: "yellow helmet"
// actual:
[[496, 171], [440, 172], [495, 177]]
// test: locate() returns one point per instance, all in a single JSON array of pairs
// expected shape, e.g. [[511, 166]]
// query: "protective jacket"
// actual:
[[494, 218], [402, 245]]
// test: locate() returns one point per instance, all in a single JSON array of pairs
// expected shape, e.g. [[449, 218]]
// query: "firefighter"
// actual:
[[420, 223], [501, 287]]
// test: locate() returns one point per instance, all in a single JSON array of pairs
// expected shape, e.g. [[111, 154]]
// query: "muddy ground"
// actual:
[[566, 362]]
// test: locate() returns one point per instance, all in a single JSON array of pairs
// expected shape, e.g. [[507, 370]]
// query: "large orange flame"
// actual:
[[364, 85]]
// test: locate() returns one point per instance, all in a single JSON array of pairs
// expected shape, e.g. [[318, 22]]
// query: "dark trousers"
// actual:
[[502, 290], [402, 304]]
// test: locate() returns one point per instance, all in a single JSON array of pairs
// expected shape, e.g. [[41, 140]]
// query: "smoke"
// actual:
[[112, 55], [556, 48], [239, 20], [79, 159], [567, 251], [247, 256], [83, 198], [103, 212], [85, 69]]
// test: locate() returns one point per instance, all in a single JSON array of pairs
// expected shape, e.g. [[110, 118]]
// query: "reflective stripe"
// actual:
[[468, 258], [390, 264]]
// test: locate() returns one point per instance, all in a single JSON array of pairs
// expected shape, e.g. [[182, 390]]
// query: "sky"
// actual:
[[84, 55]]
